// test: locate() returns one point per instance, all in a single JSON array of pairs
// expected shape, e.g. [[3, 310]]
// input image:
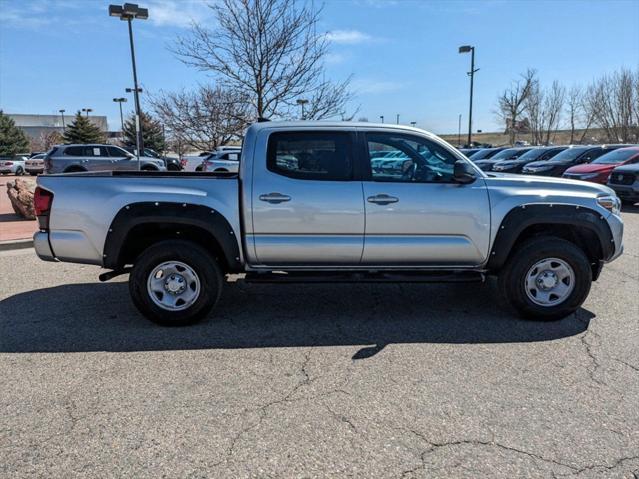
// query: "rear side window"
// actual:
[[311, 155], [86, 150]]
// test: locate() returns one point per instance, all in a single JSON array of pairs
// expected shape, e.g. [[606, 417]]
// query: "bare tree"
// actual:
[[270, 51], [544, 107], [203, 119], [612, 102], [511, 101], [574, 108]]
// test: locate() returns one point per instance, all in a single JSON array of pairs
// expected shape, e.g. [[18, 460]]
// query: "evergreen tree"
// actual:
[[152, 134], [12, 139], [83, 131]]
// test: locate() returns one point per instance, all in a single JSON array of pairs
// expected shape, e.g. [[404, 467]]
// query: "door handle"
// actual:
[[382, 199], [275, 198]]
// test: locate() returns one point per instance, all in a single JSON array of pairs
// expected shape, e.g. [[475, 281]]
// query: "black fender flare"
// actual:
[[522, 217], [187, 214]]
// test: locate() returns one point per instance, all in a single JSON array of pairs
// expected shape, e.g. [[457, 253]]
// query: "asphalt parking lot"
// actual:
[[316, 381]]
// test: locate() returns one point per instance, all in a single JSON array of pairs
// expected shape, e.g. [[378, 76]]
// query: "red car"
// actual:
[[599, 170]]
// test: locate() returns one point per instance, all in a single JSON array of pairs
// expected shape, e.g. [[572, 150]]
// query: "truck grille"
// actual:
[[622, 178]]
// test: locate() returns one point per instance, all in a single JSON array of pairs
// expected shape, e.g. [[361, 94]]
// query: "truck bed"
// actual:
[[85, 204]]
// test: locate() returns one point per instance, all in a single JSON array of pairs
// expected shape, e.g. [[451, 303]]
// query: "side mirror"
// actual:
[[463, 173]]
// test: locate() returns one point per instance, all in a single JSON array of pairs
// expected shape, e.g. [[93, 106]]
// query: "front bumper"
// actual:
[[626, 192], [616, 228], [42, 246]]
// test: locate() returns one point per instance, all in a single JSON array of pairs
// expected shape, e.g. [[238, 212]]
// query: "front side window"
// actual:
[[311, 156], [116, 152], [405, 158]]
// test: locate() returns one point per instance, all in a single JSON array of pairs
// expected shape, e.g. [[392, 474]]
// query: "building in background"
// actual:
[[37, 126]]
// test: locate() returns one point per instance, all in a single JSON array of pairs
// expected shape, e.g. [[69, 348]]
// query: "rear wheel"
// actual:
[[19, 171], [546, 279], [175, 283]]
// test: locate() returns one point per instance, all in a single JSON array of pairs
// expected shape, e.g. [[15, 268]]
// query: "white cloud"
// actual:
[[376, 86], [348, 37], [177, 13]]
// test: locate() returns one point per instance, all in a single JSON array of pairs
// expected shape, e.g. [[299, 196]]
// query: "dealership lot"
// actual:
[[316, 380]]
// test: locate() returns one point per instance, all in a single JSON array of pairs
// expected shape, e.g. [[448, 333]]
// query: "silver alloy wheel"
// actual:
[[173, 286], [549, 282]]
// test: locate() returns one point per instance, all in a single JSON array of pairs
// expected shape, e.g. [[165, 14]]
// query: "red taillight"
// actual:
[[42, 200], [8, 163], [183, 163]]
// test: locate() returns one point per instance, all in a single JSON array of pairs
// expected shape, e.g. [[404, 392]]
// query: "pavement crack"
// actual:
[[341, 418]]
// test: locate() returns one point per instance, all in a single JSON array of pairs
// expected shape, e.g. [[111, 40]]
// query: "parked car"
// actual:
[[566, 159], [486, 153], [306, 206], [223, 161], [504, 155], [599, 170], [77, 158], [172, 163], [625, 181], [13, 165], [35, 164], [536, 154], [468, 152]]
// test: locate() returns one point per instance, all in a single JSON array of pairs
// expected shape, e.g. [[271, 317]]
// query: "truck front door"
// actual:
[[416, 215], [307, 208]]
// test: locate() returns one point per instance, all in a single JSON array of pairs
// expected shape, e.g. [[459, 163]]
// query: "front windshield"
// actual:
[[532, 154], [616, 156], [567, 155], [509, 153]]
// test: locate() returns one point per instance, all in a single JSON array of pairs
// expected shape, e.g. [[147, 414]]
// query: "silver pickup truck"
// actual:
[[312, 202]]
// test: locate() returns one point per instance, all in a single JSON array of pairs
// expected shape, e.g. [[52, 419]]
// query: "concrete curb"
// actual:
[[16, 244]]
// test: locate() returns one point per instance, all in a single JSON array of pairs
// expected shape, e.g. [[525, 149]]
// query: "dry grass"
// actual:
[[562, 137]]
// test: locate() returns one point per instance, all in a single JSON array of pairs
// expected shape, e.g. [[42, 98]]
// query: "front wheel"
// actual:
[[546, 279], [19, 171], [175, 283]]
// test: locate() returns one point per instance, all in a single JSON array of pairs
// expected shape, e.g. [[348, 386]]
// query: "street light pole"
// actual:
[[382, 118], [120, 101], [459, 131], [398, 118], [471, 73], [64, 128], [87, 110], [128, 12], [301, 102]]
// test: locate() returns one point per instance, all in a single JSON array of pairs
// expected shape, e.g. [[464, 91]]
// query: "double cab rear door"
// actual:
[[362, 198]]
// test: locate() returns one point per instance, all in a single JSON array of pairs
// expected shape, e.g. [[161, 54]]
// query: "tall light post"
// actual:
[[413, 123], [64, 128], [471, 73], [301, 102], [87, 110], [120, 101], [128, 12], [381, 117], [459, 131], [398, 118]]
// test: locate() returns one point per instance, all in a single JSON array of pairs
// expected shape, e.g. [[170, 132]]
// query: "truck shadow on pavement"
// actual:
[[100, 317]]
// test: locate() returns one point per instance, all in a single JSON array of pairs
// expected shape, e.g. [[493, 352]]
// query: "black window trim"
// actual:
[[352, 141], [364, 157]]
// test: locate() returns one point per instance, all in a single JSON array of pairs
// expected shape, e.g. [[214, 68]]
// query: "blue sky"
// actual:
[[402, 53]]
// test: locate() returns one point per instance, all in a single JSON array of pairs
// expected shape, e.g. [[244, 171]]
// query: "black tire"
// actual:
[[19, 171], [149, 168], [189, 253], [199, 168], [172, 167], [512, 278]]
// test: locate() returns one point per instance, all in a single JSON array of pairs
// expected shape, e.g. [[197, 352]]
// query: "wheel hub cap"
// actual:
[[173, 285], [549, 282]]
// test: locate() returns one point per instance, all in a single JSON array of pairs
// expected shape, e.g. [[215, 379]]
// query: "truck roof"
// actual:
[[333, 124]]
